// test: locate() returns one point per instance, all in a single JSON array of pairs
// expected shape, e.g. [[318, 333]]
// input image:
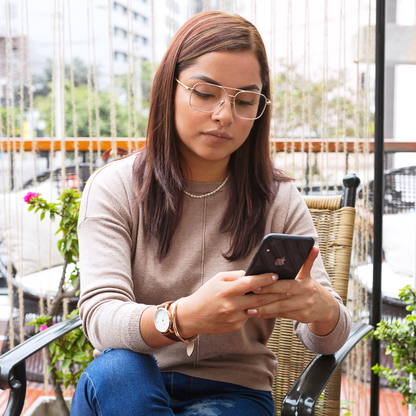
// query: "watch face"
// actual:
[[162, 320]]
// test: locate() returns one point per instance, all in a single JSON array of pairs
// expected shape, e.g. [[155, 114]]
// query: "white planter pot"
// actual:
[[45, 406]]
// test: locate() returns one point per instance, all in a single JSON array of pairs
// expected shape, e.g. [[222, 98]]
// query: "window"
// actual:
[[144, 40], [120, 56], [120, 32], [118, 6]]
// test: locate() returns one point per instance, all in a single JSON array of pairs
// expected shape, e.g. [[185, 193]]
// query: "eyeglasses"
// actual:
[[248, 105]]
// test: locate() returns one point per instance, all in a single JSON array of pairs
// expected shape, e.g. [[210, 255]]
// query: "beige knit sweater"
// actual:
[[121, 276]]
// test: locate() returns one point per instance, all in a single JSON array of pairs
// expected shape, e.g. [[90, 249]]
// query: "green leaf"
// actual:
[[81, 340], [65, 364], [79, 356]]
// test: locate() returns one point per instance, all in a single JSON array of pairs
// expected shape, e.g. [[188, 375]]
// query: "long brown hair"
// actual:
[[158, 178]]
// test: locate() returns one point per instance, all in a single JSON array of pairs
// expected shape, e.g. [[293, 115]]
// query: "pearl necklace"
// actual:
[[209, 193]]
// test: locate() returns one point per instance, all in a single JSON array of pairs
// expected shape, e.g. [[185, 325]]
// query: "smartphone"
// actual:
[[283, 254]]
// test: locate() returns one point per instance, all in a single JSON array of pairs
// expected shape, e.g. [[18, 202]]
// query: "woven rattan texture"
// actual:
[[335, 227]]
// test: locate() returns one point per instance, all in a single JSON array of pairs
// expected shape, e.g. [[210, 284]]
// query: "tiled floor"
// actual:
[[390, 400], [33, 391]]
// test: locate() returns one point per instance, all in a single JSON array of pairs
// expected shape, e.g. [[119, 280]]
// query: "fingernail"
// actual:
[[252, 311], [274, 276], [258, 289]]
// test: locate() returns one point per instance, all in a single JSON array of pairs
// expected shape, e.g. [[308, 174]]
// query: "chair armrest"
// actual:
[[12, 363], [302, 396]]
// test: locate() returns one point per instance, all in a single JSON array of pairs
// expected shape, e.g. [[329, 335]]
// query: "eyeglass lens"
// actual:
[[206, 97]]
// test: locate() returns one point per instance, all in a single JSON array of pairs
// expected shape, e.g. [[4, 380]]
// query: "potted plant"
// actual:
[[402, 346], [70, 354]]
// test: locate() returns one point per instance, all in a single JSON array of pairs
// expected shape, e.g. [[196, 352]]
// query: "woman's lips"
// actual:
[[217, 136]]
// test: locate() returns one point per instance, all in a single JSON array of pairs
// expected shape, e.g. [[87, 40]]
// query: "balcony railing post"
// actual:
[[378, 196]]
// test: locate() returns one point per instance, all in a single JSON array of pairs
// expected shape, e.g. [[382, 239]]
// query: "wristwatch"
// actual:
[[164, 322]]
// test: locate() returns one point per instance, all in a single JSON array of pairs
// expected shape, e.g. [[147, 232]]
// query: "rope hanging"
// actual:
[[97, 113], [112, 102], [308, 98], [153, 39], [20, 203], [74, 112], [324, 120], [130, 56], [90, 148], [339, 94], [254, 12], [61, 89], [304, 96], [9, 132]]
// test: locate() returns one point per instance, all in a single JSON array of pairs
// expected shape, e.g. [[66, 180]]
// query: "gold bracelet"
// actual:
[[175, 328]]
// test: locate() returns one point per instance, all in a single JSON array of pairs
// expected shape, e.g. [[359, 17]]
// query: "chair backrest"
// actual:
[[335, 227], [399, 190]]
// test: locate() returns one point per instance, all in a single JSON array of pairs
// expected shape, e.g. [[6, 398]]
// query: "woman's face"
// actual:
[[206, 140]]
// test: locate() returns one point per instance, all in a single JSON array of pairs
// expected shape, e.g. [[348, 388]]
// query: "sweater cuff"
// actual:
[[134, 339], [330, 343]]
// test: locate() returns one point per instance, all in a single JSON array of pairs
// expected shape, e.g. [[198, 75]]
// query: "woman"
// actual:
[[166, 234]]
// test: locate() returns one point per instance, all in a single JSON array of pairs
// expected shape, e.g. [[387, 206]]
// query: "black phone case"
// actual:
[[283, 254]]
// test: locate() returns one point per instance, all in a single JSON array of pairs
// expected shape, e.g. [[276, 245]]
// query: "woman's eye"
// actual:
[[244, 103], [203, 95]]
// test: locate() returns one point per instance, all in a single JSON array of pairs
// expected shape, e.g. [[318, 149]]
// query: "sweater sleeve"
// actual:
[[106, 231], [299, 221]]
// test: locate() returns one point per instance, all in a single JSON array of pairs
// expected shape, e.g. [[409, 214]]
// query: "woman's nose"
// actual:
[[225, 113]]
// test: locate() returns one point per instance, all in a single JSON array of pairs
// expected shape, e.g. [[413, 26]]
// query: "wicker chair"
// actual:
[[334, 222], [296, 389]]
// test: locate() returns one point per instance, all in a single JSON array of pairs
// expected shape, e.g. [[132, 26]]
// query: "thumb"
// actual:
[[234, 275], [305, 271]]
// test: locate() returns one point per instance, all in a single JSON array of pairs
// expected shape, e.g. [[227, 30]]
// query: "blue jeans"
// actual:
[[126, 383]]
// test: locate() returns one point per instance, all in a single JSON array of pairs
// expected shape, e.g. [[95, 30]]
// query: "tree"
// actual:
[[291, 92], [44, 105], [42, 82]]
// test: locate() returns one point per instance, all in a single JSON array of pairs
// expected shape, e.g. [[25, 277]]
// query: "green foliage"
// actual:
[[42, 82], [74, 352], [44, 106], [345, 406], [70, 354], [67, 208], [402, 346], [291, 91]]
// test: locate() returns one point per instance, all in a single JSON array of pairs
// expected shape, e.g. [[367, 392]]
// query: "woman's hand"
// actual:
[[220, 305], [308, 301]]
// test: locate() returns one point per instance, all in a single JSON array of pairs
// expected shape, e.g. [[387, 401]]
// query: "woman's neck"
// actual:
[[201, 174]]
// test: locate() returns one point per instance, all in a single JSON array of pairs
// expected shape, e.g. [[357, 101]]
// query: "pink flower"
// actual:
[[29, 196], [44, 326]]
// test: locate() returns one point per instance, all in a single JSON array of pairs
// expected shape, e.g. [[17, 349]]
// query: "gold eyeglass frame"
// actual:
[[268, 102]]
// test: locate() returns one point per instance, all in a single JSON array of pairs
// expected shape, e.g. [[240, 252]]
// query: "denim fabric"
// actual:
[[125, 383]]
